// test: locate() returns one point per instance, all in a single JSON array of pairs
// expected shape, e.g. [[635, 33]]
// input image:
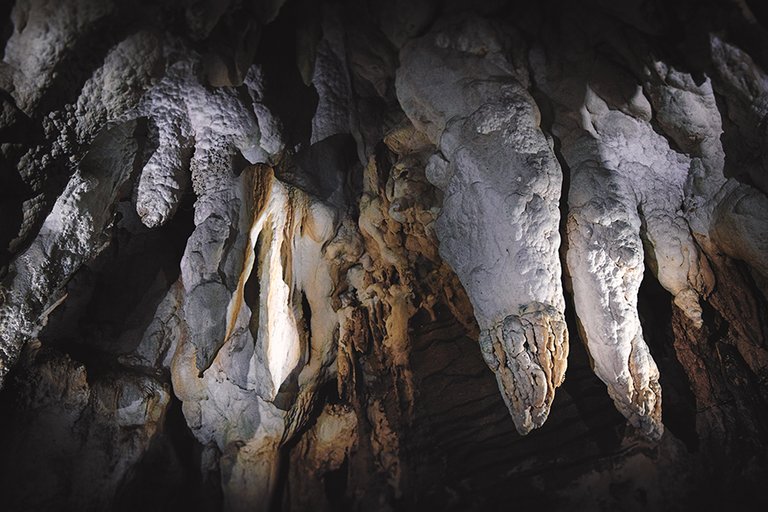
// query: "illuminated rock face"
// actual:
[[498, 227], [262, 256]]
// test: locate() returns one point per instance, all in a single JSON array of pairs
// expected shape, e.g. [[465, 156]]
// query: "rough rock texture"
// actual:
[[262, 255], [95, 430], [72, 234], [498, 228]]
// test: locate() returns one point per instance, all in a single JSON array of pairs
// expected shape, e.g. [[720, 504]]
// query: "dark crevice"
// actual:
[[238, 163], [760, 11], [13, 193], [169, 475], [119, 291], [285, 94], [252, 290], [323, 169], [335, 485], [588, 393], [306, 315], [742, 144], [6, 26], [654, 307], [327, 393], [281, 488], [289, 390]]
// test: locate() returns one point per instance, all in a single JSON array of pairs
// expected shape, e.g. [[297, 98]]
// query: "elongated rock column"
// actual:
[[628, 186], [72, 234], [259, 387], [498, 228]]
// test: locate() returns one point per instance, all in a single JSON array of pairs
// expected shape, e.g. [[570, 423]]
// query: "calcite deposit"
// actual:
[[498, 226], [358, 255]]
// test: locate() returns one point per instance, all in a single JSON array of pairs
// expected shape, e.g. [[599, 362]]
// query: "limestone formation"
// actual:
[[498, 227], [73, 233], [329, 255]]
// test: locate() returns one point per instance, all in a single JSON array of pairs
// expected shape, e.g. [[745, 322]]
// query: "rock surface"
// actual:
[[262, 255], [498, 227]]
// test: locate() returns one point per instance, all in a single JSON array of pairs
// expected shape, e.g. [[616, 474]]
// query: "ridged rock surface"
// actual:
[[344, 255], [498, 227]]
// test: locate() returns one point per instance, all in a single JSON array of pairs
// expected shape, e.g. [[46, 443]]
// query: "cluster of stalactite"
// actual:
[[289, 204]]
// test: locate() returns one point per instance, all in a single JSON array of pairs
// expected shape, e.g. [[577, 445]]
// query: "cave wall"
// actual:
[[341, 255]]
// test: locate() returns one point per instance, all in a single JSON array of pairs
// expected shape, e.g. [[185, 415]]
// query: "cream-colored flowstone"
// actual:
[[259, 385]]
